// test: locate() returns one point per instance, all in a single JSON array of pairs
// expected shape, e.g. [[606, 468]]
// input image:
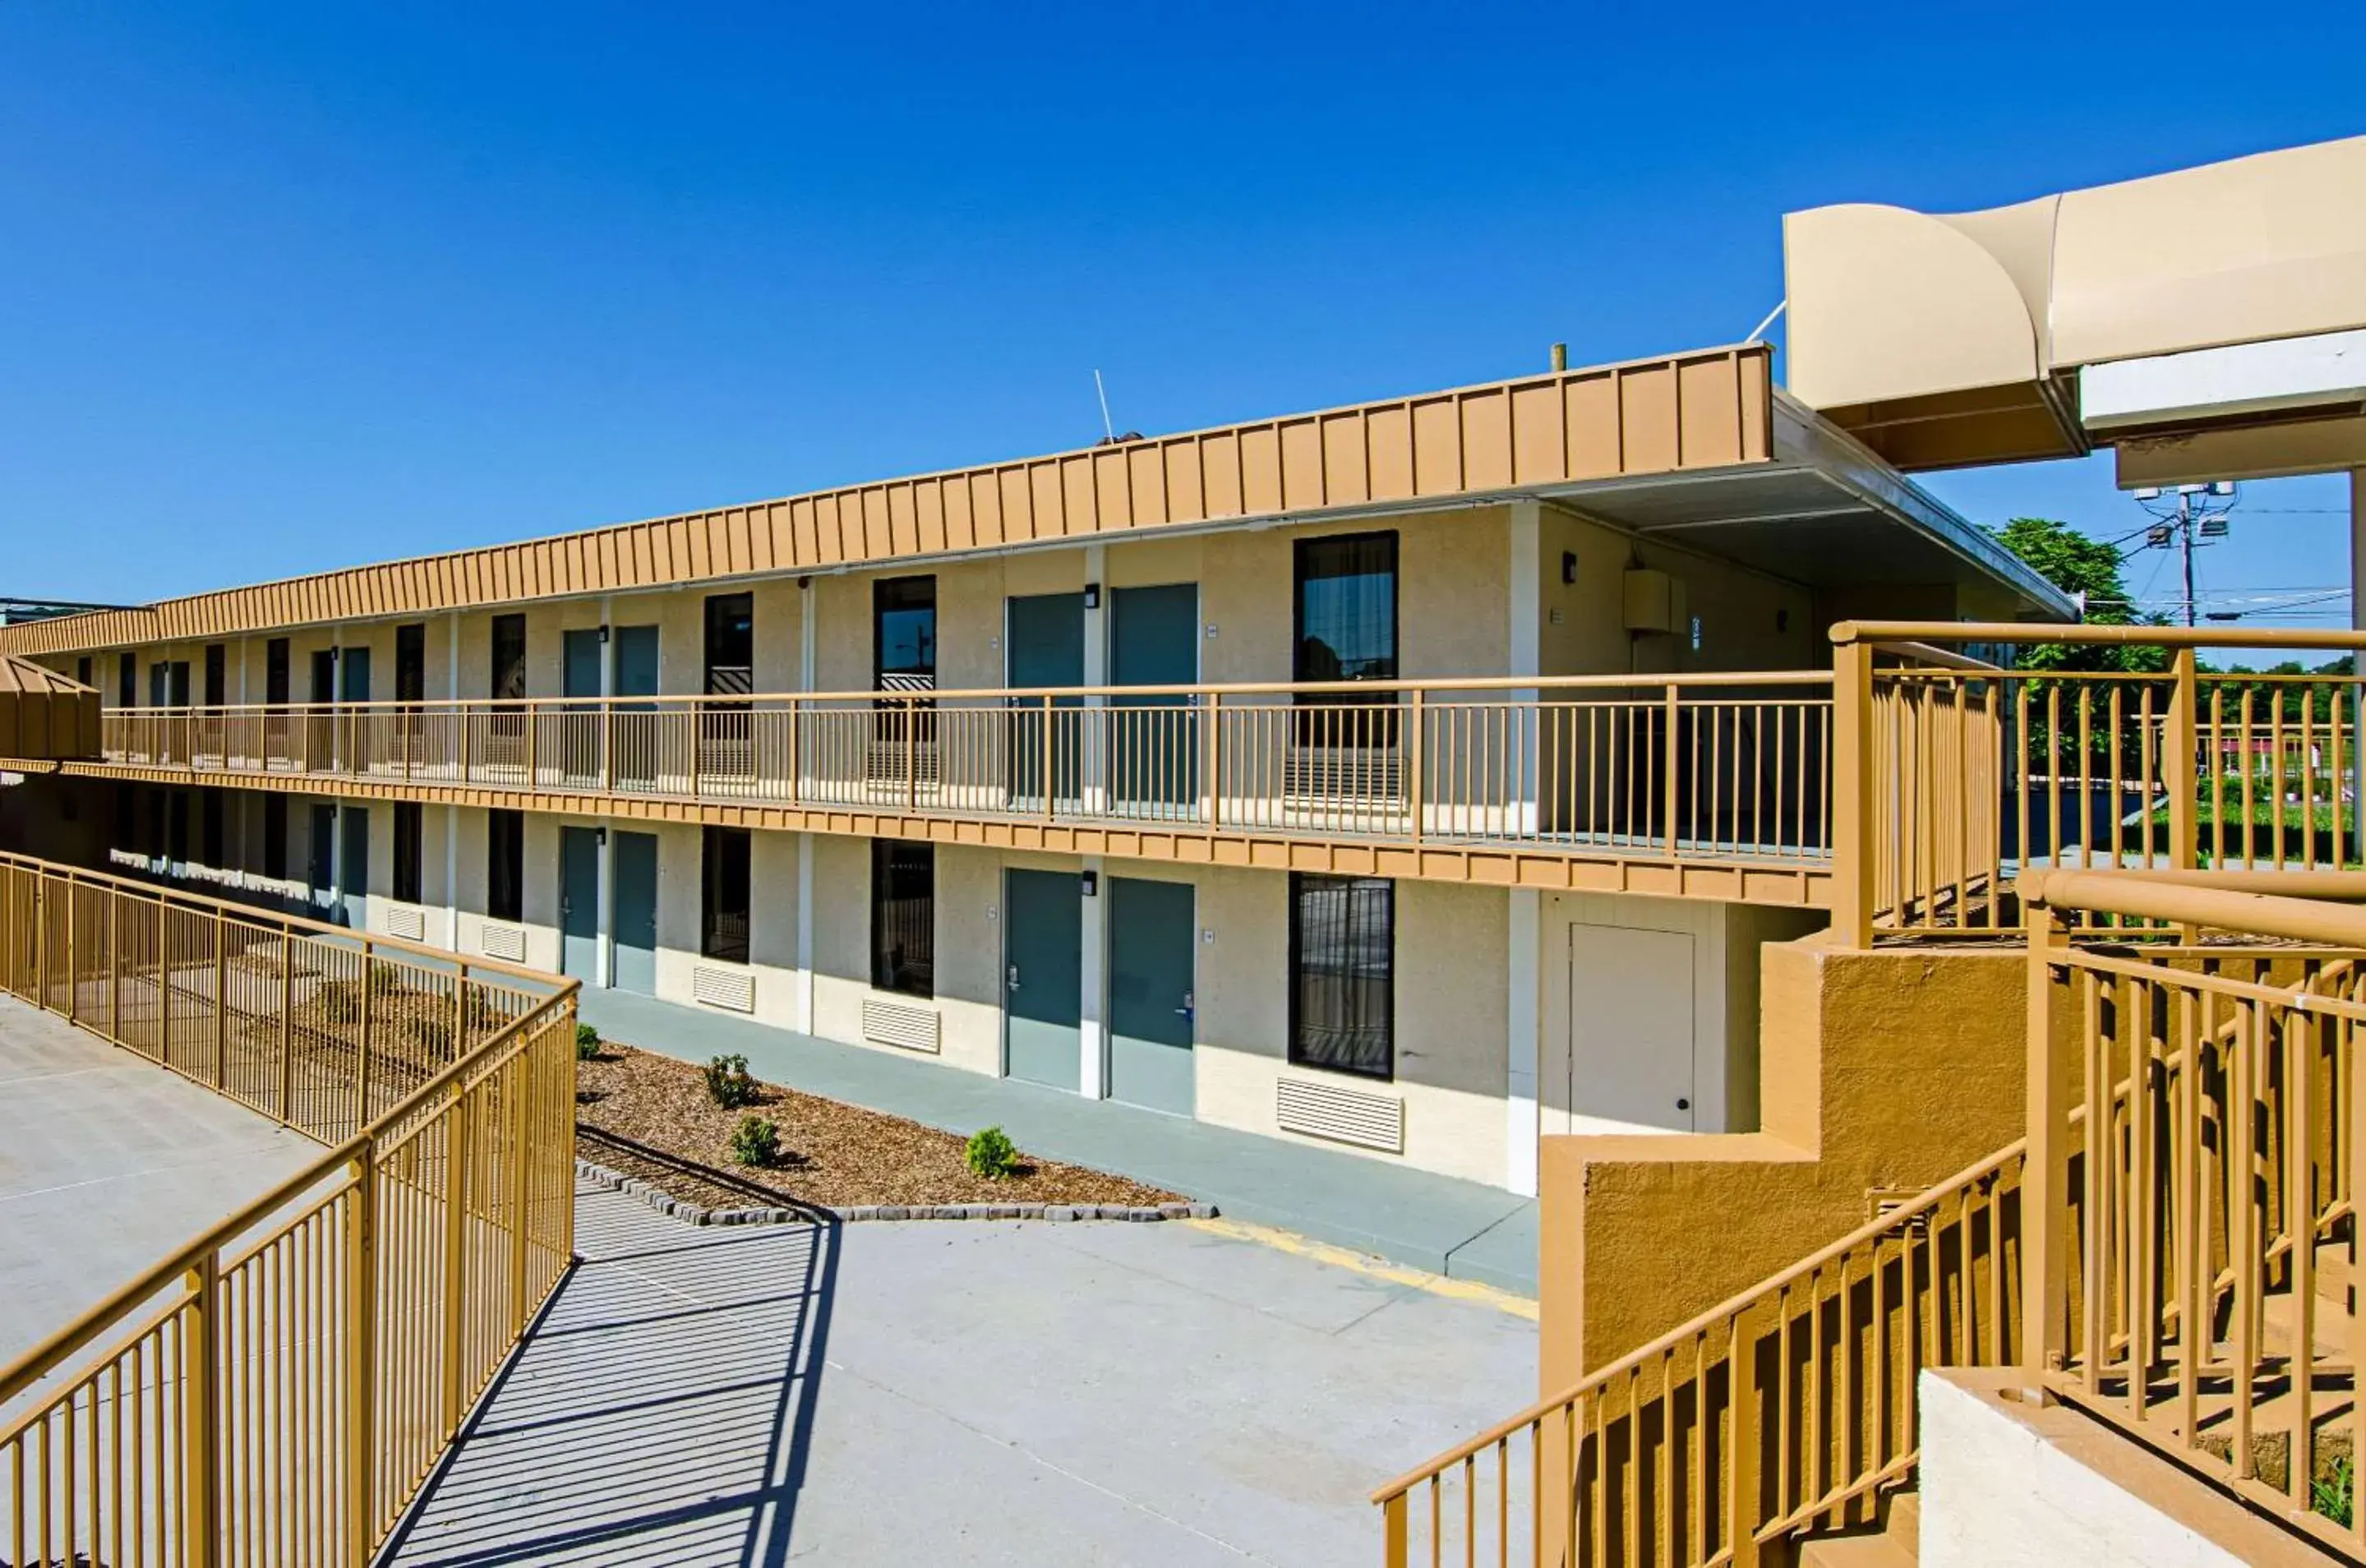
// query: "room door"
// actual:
[[1155, 738], [579, 728], [1042, 977], [635, 967], [353, 871], [579, 902], [1045, 638], [1630, 1023], [1152, 1002], [635, 735]]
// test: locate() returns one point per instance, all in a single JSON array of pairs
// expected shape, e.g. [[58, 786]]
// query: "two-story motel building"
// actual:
[[1390, 777]]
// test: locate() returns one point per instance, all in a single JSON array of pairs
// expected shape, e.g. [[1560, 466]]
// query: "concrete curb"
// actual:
[[690, 1213]]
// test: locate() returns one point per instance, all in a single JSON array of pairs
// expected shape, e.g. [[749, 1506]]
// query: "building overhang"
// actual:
[[2204, 298]]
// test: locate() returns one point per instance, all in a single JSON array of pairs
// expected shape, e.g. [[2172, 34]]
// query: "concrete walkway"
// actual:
[[108, 1163], [960, 1394], [1435, 1222]]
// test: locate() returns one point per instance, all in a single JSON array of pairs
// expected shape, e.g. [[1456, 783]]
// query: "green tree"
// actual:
[[2088, 569]]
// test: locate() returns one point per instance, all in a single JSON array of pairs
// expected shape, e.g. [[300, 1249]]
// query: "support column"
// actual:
[[2357, 623], [1093, 762], [452, 813], [807, 654], [1524, 615], [1524, 1040], [1091, 1029], [603, 942]]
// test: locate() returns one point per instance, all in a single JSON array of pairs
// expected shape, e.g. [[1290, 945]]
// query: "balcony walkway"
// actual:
[[956, 1393], [1432, 1223], [108, 1163]]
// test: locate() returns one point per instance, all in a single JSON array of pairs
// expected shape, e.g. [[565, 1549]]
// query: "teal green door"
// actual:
[[1042, 976], [579, 902], [635, 913], [352, 874], [578, 727], [1151, 1003], [1154, 737], [1045, 634], [636, 739]]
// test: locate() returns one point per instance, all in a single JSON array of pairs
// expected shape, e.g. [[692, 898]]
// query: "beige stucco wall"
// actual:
[[1748, 620]]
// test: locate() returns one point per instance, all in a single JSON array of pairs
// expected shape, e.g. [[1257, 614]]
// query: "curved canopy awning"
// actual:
[[2223, 296]]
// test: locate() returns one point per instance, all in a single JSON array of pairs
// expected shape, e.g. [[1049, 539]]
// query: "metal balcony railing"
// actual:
[[1716, 765], [278, 1390]]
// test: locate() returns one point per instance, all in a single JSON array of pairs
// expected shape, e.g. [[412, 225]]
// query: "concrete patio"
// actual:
[[960, 1392]]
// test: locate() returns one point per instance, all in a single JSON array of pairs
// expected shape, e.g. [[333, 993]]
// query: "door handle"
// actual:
[[1013, 981]]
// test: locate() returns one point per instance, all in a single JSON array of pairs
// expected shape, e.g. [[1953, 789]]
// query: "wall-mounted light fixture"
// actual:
[[1568, 566], [1092, 880], [1092, 595], [604, 635]]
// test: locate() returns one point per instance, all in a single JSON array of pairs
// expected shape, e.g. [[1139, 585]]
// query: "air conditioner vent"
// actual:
[[732, 988], [1343, 1115], [897, 1024], [503, 941], [406, 921]]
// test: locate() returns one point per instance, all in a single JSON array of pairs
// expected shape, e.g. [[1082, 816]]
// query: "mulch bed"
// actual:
[[650, 1117]]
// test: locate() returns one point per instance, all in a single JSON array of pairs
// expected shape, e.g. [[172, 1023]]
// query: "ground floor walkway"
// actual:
[[107, 1165], [961, 1392], [1434, 1223]]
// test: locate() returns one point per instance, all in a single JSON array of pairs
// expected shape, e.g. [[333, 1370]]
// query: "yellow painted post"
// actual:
[[2180, 774], [362, 1075], [1670, 754], [1852, 794], [41, 943], [73, 970], [164, 985], [1393, 1532], [287, 1024], [221, 1002], [1215, 760], [1047, 756], [1415, 748], [796, 751], [1741, 1477], [2045, 1179], [533, 769], [911, 755], [455, 1248], [516, 1092], [608, 746], [201, 1414], [114, 966], [361, 1361]]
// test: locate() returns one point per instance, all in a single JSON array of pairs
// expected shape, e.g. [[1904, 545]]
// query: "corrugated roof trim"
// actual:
[[1708, 408]]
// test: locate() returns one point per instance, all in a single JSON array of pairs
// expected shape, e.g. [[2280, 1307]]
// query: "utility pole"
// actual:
[[2185, 532]]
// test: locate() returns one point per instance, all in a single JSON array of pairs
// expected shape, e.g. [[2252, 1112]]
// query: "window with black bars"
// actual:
[[903, 917], [726, 889], [505, 865], [408, 854], [1343, 973]]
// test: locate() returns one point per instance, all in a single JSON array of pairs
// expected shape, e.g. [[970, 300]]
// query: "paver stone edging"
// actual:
[[690, 1213]]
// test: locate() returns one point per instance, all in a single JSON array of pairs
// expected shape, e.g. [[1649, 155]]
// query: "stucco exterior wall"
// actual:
[[1881, 1071]]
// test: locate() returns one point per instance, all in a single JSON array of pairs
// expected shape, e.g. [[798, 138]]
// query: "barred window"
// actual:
[[725, 890], [903, 917], [1343, 973], [505, 865]]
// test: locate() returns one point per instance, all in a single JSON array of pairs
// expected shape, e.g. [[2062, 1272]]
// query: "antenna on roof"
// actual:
[[1771, 316], [1101, 392]]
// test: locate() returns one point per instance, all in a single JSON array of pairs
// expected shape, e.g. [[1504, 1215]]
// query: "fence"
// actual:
[[1715, 764], [1789, 1407], [2190, 1273], [1957, 775], [277, 1391]]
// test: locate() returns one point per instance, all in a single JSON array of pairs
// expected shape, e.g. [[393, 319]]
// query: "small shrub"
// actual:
[[990, 1154], [587, 1043], [728, 1083], [340, 1003], [755, 1142], [2332, 1497]]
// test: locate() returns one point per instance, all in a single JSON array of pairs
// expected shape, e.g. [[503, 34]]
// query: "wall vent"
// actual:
[[1342, 1114], [732, 988], [895, 1023], [406, 921], [503, 941]]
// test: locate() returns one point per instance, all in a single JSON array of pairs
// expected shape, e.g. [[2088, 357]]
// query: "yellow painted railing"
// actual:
[[2177, 1270], [1952, 777], [1789, 1407], [276, 1391], [1725, 765]]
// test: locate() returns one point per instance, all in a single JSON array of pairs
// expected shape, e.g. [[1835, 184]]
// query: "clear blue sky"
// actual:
[[288, 287]]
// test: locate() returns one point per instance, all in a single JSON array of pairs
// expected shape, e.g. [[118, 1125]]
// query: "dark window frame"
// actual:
[[275, 687], [409, 850], [727, 894], [507, 672], [274, 835], [1305, 551], [410, 663], [729, 645], [1339, 1035], [127, 680], [903, 943], [885, 593], [210, 834], [217, 676], [505, 865]]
